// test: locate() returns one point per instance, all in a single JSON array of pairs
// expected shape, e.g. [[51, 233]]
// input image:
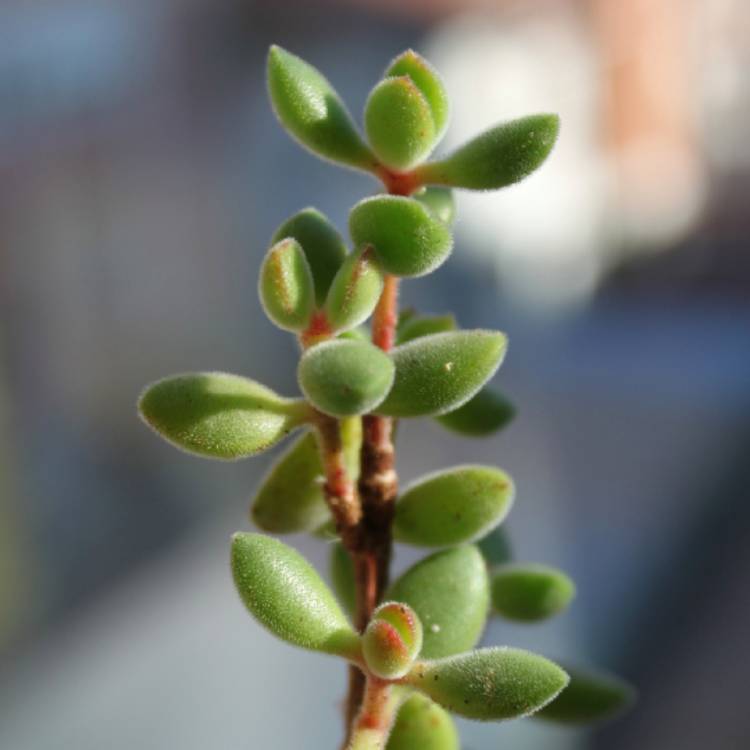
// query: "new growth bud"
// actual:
[[392, 640]]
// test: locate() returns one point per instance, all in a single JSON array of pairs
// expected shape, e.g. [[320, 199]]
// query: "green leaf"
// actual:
[[309, 108], [419, 326], [355, 291], [408, 240], [399, 123], [290, 497], [529, 593], [428, 81], [439, 201], [449, 591], [591, 696], [344, 377], [498, 157], [485, 413], [453, 506], [360, 333], [423, 725], [217, 415], [436, 374], [490, 684], [286, 286], [392, 640], [323, 246], [342, 577], [287, 596], [496, 547]]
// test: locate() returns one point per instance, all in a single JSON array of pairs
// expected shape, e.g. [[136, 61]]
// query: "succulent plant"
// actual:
[[411, 643]]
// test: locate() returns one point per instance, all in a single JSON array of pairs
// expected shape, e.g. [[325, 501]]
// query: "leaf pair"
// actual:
[[307, 273], [286, 595], [405, 115]]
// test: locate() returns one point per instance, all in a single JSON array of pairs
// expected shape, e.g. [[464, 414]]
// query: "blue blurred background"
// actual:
[[141, 176]]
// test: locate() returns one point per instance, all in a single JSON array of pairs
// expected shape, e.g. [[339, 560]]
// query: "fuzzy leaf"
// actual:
[[360, 333], [323, 246], [399, 123], [216, 415], [498, 157], [418, 326], [453, 506], [423, 725], [287, 596], [309, 108], [496, 547], [481, 415], [591, 696], [490, 684], [344, 377], [342, 576], [449, 591], [286, 286], [529, 593], [428, 81], [290, 497], [392, 640], [439, 200], [436, 374], [408, 239], [355, 291]]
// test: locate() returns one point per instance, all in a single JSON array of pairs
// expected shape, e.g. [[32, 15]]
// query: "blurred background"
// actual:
[[142, 174]]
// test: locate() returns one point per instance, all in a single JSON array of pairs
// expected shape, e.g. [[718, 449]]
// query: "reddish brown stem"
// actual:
[[340, 491], [378, 486]]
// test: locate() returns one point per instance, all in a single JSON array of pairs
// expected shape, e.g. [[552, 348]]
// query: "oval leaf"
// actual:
[[418, 326], [423, 725], [438, 200], [529, 593], [290, 497], [323, 246], [286, 287], [490, 684], [426, 78], [449, 591], [399, 123], [309, 108], [453, 506], [485, 413], [287, 596], [591, 696], [216, 415], [498, 157], [345, 377], [408, 239], [355, 291], [436, 374]]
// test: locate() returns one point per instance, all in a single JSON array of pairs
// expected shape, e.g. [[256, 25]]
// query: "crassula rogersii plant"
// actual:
[[410, 643]]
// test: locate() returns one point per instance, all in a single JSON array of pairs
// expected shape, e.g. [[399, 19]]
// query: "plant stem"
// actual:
[[375, 718], [340, 492], [378, 486]]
